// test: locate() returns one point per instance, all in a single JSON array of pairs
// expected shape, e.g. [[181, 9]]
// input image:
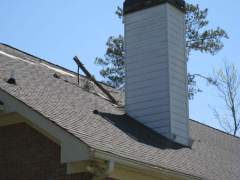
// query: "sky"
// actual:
[[57, 30]]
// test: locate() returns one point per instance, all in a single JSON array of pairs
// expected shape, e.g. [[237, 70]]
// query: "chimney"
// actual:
[[156, 67]]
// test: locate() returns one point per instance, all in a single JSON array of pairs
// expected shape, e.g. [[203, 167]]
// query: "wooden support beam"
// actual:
[[90, 77]]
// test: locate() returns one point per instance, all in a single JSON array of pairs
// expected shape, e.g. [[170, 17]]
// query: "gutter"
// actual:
[[98, 154]]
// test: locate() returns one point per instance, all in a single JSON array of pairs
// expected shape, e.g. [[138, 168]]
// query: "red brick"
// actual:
[[26, 154]]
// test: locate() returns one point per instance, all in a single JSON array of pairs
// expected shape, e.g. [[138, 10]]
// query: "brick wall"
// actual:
[[26, 154]]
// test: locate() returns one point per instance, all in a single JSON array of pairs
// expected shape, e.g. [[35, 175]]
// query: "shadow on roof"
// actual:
[[139, 132]]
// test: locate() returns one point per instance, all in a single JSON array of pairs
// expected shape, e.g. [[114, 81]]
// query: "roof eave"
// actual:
[[99, 154]]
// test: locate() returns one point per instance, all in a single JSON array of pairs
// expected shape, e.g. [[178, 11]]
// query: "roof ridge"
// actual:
[[41, 60], [50, 63], [221, 131]]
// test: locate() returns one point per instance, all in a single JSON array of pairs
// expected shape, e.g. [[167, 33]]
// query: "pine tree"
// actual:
[[198, 38]]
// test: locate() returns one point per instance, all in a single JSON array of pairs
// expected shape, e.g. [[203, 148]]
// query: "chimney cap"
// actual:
[[136, 5]]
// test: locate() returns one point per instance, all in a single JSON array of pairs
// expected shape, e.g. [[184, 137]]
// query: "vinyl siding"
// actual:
[[156, 69], [178, 75]]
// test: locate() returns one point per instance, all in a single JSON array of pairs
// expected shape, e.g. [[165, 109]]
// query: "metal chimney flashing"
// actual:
[[131, 6]]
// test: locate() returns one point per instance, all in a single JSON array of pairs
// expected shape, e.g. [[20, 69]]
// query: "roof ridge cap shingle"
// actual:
[[40, 59], [50, 63], [215, 129]]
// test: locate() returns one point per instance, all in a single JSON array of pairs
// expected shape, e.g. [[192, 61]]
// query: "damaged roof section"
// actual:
[[57, 72]]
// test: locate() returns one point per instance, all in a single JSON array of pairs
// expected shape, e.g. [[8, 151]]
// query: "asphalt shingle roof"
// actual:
[[214, 155]]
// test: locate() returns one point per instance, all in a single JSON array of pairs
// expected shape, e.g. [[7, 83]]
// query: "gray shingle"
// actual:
[[213, 155]]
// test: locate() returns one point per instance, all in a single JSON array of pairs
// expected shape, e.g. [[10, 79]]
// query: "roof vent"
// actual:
[[56, 75], [95, 111], [12, 79]]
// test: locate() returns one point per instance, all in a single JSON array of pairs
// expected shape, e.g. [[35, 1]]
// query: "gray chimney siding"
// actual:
[[178, 74], [156, 73]]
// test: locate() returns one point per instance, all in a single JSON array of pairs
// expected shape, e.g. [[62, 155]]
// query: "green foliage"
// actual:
[[112, 63], [198, 38]]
